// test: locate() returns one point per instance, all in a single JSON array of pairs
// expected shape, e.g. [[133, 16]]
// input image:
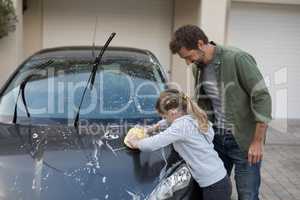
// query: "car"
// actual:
[[61, 137]]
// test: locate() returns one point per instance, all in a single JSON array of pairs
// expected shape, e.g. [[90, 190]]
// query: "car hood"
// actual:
[[62, 162]]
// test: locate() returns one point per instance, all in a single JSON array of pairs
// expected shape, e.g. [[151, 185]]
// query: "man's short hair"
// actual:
[[187, 36]]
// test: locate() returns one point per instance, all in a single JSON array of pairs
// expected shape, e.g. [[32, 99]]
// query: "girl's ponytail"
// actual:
[[173, 99], [194, 110]]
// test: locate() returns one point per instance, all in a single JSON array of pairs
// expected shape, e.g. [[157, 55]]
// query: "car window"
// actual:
[[125, 87]]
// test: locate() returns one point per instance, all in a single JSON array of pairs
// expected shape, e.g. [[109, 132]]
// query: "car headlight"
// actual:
[[178, 180]]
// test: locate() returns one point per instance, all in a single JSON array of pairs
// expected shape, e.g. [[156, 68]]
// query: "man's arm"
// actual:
[[254, 85], [253, 82]]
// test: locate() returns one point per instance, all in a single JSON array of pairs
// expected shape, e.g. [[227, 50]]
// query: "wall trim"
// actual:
[[285, 2]]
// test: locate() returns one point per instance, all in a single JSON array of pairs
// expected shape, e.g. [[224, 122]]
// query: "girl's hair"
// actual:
[[173, 99]]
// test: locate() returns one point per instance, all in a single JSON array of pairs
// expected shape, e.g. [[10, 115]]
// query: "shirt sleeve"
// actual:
[[253, 83], [162, 139], [163, 124]]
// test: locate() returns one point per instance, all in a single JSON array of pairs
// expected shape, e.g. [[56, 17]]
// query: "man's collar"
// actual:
[[217, 54]]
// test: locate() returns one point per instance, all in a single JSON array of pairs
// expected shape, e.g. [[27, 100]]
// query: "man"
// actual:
[[229, 86]]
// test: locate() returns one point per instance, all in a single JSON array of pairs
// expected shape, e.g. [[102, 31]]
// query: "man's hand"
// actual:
[[255, 153]]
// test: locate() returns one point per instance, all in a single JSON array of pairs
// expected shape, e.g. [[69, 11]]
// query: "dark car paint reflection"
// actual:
[[46, 159]]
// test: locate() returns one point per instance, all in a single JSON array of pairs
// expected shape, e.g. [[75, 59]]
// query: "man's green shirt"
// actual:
[[245, 97]]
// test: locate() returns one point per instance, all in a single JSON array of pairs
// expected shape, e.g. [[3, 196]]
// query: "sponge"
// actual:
[[138, 132]]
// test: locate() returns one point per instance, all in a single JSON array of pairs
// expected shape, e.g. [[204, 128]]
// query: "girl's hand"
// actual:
[[132, 143], [151, 129], [133, 136]]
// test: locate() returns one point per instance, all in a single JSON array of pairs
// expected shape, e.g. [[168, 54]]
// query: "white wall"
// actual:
[[214, 14], [138, 23], [184, 13], [271, 33], [11, 47], [32, 27]]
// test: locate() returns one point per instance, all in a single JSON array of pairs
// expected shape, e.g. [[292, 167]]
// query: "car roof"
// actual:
[[90, 52], [90, 48]]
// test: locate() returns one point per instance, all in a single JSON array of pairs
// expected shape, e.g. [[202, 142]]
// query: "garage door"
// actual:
[[272, 34], [138, 23]]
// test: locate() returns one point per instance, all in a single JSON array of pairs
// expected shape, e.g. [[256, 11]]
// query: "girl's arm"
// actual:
[[152, 129], [169, 136], [161, 125]]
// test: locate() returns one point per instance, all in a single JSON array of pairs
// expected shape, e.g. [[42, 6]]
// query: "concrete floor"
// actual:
[[281, 163]]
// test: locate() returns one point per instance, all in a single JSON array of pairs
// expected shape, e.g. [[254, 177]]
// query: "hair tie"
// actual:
[[185, 97]]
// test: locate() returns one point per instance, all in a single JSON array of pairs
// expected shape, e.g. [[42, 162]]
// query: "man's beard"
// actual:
[[200, 62]]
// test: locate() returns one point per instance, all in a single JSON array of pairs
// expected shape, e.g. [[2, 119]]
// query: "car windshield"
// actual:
[[126, 86]]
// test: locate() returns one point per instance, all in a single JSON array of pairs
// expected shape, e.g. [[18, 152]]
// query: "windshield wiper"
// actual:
[[22, 94], [91, 79], [36, 68]]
